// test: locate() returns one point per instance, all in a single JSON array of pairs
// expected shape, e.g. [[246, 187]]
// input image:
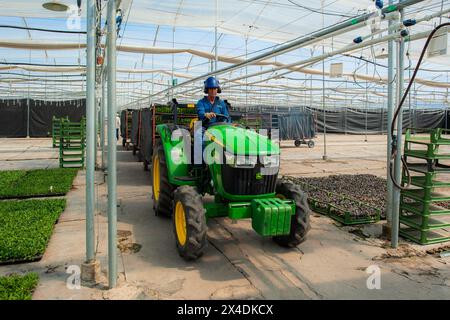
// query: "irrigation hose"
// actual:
[[394, 151]]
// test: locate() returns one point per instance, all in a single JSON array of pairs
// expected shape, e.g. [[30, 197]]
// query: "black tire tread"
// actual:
[[195, 222], [164, 206], [300, 224]]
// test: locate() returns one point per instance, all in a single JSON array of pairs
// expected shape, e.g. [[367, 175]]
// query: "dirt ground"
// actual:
[[332, 264]]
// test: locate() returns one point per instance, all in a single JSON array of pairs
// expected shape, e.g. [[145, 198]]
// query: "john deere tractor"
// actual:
[[239, 171]]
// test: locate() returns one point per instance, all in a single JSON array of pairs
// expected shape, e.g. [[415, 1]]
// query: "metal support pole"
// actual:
[[367, 101], [216, 54], [398, 162], [173, 66], [90, 130], [324, 157], [112, 143], [102, 120], [390, 114]]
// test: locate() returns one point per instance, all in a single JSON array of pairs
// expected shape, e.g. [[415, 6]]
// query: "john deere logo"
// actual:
[[259, 176]]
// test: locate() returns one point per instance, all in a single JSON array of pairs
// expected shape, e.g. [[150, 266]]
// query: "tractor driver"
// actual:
[[211, 107]]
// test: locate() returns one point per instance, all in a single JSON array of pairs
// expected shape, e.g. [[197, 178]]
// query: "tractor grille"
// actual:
[[243, 181]]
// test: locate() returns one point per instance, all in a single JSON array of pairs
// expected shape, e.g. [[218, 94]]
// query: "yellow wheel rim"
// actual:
[[156, 182], [180, 223], [280, 196]]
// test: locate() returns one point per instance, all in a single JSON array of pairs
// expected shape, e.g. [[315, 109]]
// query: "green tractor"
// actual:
[[239, 170]]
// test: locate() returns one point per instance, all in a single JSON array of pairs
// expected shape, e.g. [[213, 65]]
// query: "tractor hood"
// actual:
[[241, 141]]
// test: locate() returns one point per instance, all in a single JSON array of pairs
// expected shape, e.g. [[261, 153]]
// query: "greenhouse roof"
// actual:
[[164, 40]]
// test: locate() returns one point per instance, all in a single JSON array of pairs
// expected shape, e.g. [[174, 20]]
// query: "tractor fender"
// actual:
[[177, 159]]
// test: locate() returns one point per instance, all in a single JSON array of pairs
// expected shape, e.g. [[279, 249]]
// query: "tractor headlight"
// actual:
[[230, 159], [246, 161], [270, 161], [240, 161]]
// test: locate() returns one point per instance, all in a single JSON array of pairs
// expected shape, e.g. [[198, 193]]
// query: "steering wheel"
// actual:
[[206, 120]]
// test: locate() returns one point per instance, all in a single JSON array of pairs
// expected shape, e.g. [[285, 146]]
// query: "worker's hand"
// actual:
[[210, 115]]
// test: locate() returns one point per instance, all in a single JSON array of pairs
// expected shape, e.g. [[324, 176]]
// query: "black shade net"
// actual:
[[14, 116]]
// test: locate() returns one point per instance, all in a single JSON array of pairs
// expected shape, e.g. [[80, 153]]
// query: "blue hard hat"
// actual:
[[211, 82], [379, 4]]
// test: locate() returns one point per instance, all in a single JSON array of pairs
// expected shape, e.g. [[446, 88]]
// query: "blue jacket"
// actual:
[[204, 106]]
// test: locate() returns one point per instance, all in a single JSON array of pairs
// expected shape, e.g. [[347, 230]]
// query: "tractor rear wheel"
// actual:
[[298, 143], [189, 223], [162, 189], [300, 222]]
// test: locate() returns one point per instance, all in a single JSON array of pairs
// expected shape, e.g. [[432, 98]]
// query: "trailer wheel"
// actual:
[[297, 143], [311, 144]]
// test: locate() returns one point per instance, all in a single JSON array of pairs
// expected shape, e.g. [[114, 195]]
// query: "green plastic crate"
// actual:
[[425, 237], [349, 218]]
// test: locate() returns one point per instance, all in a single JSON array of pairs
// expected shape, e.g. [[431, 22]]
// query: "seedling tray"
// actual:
[[348, 217]]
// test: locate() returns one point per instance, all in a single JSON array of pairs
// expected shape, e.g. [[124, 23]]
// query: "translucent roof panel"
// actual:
[[245, 29]]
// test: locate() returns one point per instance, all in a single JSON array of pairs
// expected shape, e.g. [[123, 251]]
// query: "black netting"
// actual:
[[123, 124], [146, 134], [358, 121], [42, 112], [135, 127], [13, 118], [14, 115], [296, 126]]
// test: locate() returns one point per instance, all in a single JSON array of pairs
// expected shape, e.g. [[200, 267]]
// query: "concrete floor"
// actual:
[[347, 154], [238, 263], [35, 153]]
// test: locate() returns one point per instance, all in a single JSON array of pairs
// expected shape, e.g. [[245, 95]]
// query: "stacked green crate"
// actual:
[[164, 114], [251, 120], [424, 208], [72, 144], [56, 130]]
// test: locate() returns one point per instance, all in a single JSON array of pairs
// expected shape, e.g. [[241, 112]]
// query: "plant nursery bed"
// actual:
[[18, 287], [26, 227], [20, 184]]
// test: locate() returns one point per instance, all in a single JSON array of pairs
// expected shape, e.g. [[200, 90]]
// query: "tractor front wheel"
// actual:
[[189, 223], [162, 189], [300, 222]]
